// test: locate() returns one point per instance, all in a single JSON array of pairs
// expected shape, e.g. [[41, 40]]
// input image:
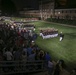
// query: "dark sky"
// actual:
[[64, 4], [27, 3], [24, 3]]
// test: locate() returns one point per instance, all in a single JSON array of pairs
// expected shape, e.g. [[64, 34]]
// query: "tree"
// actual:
[[8, 7]]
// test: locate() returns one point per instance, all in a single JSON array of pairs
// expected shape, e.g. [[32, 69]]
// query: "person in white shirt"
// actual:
[[8, 55]]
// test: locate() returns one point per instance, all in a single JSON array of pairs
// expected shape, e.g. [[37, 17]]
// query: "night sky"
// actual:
[[12, 6], [19, 4], [27, 3], [65, 4]]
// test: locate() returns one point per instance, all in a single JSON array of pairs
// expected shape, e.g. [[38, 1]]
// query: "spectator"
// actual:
[[62, 64], [17, 54], [50, 67], [29, 50], [25, 50], [41, 55], [34, 36], [8, 55], [59, 67], [24, 56], [31, 57], [47, 58]]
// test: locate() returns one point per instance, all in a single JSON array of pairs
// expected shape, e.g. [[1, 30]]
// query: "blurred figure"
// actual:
[[47, 58], [50, 67], [61, 36], [73, 72], [8, 55], [59, 67], [24, 56]]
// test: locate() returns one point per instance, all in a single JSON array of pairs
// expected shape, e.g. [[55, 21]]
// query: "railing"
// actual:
[[15, 67]]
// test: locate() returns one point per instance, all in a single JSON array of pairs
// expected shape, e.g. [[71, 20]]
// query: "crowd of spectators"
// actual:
[[17, 46], [14, 43]]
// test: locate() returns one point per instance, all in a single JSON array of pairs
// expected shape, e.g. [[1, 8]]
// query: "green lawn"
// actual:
[[65, 49]]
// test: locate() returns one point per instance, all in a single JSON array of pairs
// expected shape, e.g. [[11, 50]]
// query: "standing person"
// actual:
[[47, 58], [50, 67], [8, 54], [9, 57], [61, 36], [59, 67]]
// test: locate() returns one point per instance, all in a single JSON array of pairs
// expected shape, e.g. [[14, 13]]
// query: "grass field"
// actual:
[[65, 49]]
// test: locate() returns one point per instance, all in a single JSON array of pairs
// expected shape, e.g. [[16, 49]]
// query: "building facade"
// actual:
[[30, 13], [47, 10]]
